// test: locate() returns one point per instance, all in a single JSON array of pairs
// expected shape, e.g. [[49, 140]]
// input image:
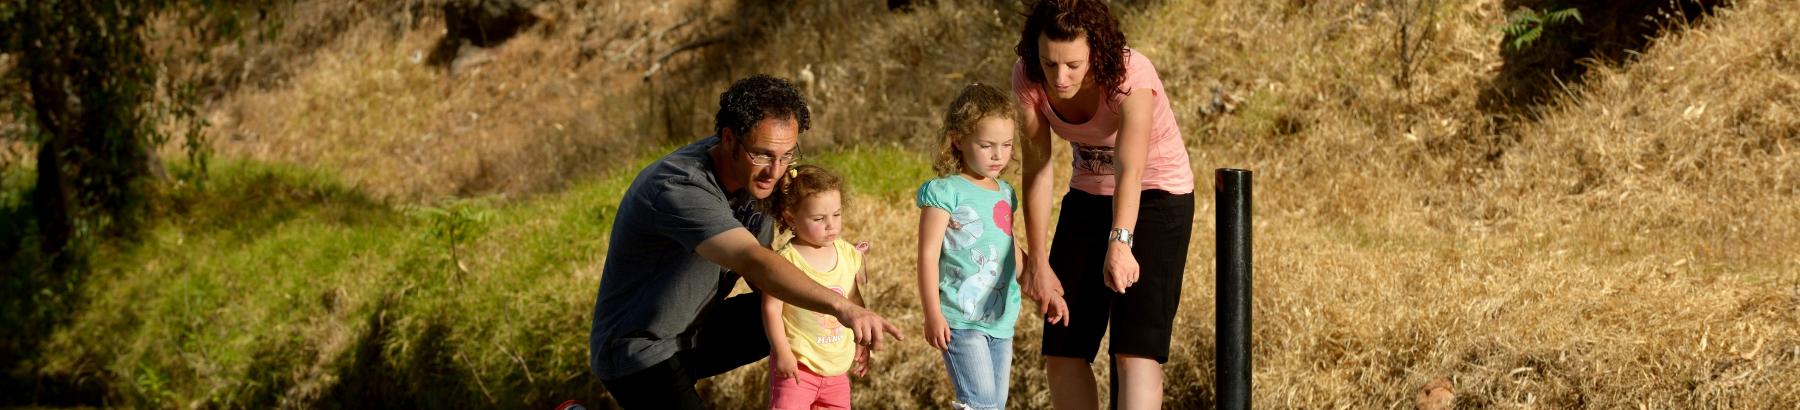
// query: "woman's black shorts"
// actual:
[[1142, 317]]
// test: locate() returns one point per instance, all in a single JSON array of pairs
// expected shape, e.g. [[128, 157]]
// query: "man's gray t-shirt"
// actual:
[[654, 285]]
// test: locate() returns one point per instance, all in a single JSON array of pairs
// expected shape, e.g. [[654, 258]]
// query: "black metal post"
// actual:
[[1232, 344]]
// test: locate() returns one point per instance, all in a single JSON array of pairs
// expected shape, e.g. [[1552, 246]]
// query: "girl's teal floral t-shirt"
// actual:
[[976, 270]]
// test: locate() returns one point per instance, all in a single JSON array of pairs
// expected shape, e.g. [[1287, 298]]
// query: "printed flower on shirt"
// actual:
[[834, 331], [1003, 216], [964, 228]]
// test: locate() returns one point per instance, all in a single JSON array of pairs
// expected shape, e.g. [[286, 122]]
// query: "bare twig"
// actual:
[[1416, 24], [653, 37], [696, 44], [478, 382], [521, 361]]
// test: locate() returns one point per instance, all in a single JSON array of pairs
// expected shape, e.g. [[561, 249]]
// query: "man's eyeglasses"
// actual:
[[763, 160]]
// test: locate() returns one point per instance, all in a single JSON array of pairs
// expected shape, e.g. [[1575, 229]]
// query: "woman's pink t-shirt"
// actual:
[[1166, 167]]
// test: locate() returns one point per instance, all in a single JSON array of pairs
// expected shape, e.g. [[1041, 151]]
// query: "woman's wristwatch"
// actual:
[[1121, 235]]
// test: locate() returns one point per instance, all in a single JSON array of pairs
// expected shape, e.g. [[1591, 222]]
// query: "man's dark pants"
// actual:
[[731, 336]]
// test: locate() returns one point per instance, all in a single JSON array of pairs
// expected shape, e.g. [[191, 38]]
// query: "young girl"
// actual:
[[966, 253], [810, 352]]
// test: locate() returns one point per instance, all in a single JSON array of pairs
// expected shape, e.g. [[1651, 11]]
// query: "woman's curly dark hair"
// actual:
[[1062, 20], [752, 99]]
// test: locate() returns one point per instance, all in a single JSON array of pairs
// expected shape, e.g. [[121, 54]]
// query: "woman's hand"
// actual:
[[1121, 266], [937, 332], [1038, 282], [786, 367], [1058, 312]]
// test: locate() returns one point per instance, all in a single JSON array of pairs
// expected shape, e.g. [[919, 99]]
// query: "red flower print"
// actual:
[[1003, 216]]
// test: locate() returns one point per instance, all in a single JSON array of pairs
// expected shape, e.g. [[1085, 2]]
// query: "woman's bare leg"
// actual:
[[1072, 383], [1140, 382]]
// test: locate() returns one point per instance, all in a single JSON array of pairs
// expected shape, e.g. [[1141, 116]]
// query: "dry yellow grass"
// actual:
[[553, 104], [1630, 246]]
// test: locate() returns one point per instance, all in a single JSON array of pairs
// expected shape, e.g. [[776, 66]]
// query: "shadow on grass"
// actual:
[[40, 293], [403, 359], [1609, 33], [37, 293], [426, 378], [429, 373]]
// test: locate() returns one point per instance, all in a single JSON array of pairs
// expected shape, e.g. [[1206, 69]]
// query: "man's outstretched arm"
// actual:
[[738, 250]]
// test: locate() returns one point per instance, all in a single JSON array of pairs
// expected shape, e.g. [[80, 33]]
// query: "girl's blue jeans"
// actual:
[[980, 366]]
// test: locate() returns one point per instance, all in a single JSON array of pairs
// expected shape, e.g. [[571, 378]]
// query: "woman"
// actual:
[[1075, 76]]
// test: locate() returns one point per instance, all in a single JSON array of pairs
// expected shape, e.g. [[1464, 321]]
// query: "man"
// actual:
[[688, 226]]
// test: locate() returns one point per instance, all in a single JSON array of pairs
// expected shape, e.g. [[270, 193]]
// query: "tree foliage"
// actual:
[[95, 106], [1525, 25]]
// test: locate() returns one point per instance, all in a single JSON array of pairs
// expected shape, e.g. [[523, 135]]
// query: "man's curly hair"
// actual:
[[753, 99], [1063, 20]]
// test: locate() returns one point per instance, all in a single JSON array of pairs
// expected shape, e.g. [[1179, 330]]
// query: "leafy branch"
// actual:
[[1526, 25], [454, 225]]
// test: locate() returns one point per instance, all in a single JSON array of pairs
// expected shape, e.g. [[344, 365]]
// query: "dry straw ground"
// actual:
[[1629, 245]]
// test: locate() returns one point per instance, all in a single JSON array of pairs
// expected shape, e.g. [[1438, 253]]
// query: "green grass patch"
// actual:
[[886, 171], [276, 283]]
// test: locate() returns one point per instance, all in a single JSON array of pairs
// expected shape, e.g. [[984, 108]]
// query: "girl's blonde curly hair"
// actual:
[[801, 182], [976, 102]]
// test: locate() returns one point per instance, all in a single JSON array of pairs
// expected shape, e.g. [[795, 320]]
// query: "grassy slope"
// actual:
[[1624, 250], [280, 284]]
